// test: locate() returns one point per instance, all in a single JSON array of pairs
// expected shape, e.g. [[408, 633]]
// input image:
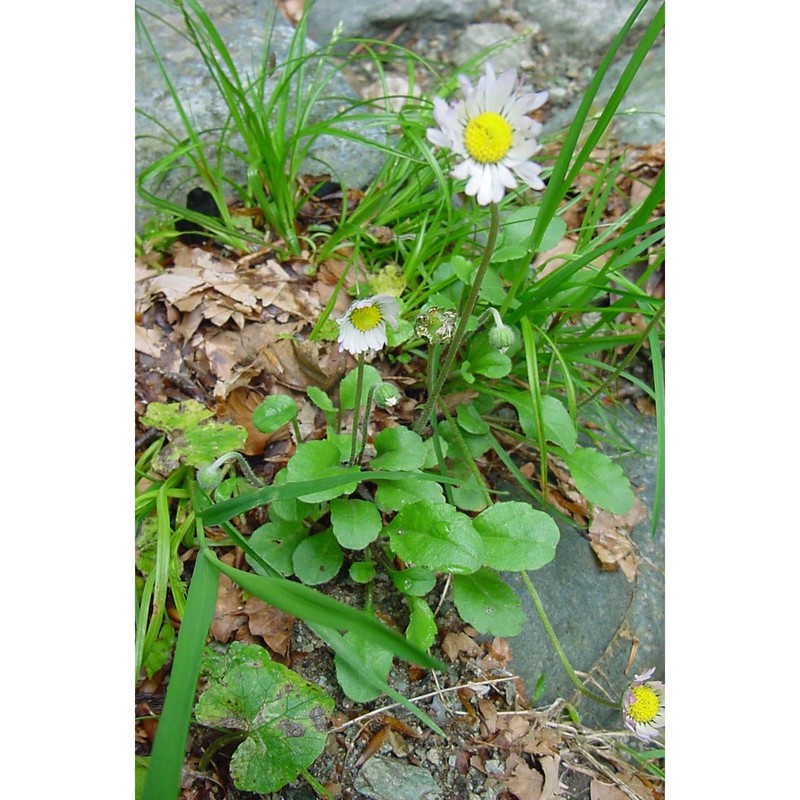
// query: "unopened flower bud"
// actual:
[[436, 325], [501, 337], [387, 395], [209, 476]]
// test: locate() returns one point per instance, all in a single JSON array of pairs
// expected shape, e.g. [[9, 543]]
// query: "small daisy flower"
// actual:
[[490, 130], [363, 327], [643, 706]]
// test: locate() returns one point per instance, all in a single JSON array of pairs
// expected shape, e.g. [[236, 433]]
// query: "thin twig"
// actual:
[[419, 698]]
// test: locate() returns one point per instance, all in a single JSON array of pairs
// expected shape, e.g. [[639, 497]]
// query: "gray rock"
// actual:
[[598, 616], [640, 118], [376, 17], [384, 778], [242, 27], [583, 28], [479, 36]]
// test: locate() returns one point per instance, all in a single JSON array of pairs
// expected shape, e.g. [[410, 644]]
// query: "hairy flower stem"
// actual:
[[463, 320], [559, 649], [357, 408], [365, 424]]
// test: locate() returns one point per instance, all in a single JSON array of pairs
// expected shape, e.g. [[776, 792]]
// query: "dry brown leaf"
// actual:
[[298, 365], [615, 551], [608, 537], [598, 790], [177, 283], [291, 9], [271, 624], [228, 614], [150, 341], [235, 357], [498, 654], [526, 783], [488, 711], [549, 765], [542, 742], [238, 407], [455, 643]]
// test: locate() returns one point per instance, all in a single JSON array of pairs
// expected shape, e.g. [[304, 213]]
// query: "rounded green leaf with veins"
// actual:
[[435, 535], [285, 719], [486, 602], [516, 536], [319, 459], [398, 448], [274, 412], [355, 523], [394, 495], [600, 479], [317, 558]]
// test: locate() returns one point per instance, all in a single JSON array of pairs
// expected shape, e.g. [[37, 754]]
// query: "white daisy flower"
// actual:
[[363, 327], [489, 129], [643, 706]]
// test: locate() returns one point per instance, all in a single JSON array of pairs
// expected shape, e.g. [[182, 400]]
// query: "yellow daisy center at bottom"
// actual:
[[487, 137], [645, 707], [365, 318]]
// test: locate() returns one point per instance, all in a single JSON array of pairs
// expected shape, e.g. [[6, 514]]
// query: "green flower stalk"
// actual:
[[363, 328], [209, 476], [463, 320]]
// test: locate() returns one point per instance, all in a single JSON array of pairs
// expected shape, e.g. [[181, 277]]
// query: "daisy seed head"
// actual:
[[492, 134], [363, 327], [437, 325]]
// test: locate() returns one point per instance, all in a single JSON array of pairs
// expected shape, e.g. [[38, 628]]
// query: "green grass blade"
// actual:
[[314, 607], [166, 759], [623, 84], [658, 382], [260, 497], [558, 184], [339, 644], [536, 398]]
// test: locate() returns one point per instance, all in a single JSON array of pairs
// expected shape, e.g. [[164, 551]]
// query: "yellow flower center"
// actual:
[[366, 317], [487, 137], [645, 707]]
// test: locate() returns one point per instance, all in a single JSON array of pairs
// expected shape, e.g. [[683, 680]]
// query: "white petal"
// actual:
[[529, 172], [462, 170], [437, 137], [541, 99], [441, 111], [521, 151], [506, 178], [475, 179], [503, 89], [389, 308], [489, 186]]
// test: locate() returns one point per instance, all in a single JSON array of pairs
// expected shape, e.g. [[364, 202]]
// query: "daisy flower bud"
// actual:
[[501, 337], [490, 132], [387, 395], [363, 327]]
